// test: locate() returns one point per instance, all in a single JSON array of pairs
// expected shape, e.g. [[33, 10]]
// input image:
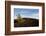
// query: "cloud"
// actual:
[[35, 16]]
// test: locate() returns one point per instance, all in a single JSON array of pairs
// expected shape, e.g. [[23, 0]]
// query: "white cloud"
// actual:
[[15, 17], [36, 16]]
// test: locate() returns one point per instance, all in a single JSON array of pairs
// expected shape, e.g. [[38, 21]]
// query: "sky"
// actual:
[[26, 13]]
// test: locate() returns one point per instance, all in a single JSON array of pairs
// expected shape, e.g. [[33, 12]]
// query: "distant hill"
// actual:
[[29, 22]]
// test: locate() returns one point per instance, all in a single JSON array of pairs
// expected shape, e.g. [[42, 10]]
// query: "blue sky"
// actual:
[[26, 13]]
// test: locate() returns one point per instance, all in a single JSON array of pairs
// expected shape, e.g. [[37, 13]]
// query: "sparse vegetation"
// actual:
[[25, 22], [19, 19]]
